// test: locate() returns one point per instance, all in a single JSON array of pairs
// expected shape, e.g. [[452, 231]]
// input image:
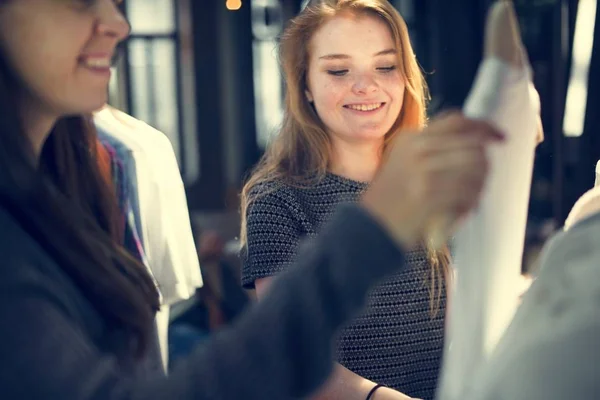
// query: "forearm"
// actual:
[[280, 349], [344, 385]]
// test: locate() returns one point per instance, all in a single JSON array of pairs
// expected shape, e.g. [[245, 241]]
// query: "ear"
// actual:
[[309, 96]]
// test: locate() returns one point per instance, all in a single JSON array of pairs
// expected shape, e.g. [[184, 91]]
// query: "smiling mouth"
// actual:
[[97, 63], [364, 107]]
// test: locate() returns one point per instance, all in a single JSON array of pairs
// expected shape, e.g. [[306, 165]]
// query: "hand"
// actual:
[[210, 247], [524, 282], [437, 173], [540, 132], [384, 393]]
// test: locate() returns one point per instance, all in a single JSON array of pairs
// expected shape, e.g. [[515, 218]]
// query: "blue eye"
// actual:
[[339, 72]]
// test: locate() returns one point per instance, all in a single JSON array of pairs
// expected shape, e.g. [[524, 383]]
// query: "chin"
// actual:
[[365, 139], [371, 135], [89, 106]]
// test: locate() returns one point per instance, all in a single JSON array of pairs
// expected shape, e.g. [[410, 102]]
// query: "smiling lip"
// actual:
[[365, 107], [98, 63]]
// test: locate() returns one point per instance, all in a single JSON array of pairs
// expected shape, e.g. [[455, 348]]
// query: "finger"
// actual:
[[482, 130], [456, 203], [448, 114], [452, 142], [485, 130], [460, 196], [430, 144], [457, 161], [458, 124], [464, 177]]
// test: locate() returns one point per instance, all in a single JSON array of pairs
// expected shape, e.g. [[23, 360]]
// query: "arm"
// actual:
[[343, 383], [280, 349], [273, 235]]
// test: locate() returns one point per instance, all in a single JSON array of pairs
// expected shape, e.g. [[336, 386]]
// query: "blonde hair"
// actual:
[[301, 151]]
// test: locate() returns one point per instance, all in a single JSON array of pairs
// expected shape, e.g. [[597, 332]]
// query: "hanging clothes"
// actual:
[[158, 204], [112, 170], [128, 230], [158, 200], [488, 246]]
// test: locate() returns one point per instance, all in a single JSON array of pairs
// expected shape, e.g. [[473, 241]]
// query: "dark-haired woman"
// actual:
[[77, 311]]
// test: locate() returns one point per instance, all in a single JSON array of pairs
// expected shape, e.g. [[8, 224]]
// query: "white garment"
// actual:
[[551, 350], [166, 230], [488, 248], [587, 205]]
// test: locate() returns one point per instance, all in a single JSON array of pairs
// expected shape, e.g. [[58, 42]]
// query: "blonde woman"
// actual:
[[353, 84]]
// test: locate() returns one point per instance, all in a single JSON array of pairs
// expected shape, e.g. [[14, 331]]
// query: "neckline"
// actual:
[[346, 181]]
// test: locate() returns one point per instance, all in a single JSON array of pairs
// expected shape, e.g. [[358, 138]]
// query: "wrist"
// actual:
[[405, 233], [374, 389]]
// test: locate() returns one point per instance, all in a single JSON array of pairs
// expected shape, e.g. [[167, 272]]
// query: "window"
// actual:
[[267, 23], [406, 8], [148, 82]]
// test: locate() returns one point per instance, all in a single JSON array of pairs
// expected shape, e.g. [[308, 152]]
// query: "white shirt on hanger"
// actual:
[[166, 229], [488, 247]]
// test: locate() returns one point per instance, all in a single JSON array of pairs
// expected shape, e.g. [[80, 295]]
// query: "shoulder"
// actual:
[[14, 238], [24, 262], [276, 194], [110, 121], [276, 208], [29, 271], [587, 205]]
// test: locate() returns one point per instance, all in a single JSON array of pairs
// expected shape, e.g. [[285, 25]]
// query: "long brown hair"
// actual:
[[303, 148], [68, 207]]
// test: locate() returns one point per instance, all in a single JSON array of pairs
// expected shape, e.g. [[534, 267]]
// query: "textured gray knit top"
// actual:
[[395, 341]]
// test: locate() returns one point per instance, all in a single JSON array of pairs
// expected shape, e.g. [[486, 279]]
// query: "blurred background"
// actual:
[[205, 73]]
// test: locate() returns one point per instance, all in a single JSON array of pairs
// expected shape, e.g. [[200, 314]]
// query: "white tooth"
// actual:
[[98, 62], [364, 107]]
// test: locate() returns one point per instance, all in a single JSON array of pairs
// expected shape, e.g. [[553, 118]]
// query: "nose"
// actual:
[[111, 21], [365, 84]]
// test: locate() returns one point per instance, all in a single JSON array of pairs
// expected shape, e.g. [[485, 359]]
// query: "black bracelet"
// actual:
[[373, 391]]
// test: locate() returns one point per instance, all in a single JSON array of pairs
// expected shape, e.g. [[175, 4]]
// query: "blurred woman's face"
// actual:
[[61, 51]]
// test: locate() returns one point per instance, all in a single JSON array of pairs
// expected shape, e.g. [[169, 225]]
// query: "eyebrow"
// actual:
[[346, 56]]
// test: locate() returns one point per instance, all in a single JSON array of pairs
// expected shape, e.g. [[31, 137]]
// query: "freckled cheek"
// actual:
[[394, 86], [393, 79], [332, 95]]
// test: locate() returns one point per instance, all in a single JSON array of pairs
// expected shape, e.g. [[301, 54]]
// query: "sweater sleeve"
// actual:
[[280, 349], [273, 234]]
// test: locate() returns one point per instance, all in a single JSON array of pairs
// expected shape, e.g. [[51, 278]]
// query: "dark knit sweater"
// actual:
[[54, 344], [395, 341]]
